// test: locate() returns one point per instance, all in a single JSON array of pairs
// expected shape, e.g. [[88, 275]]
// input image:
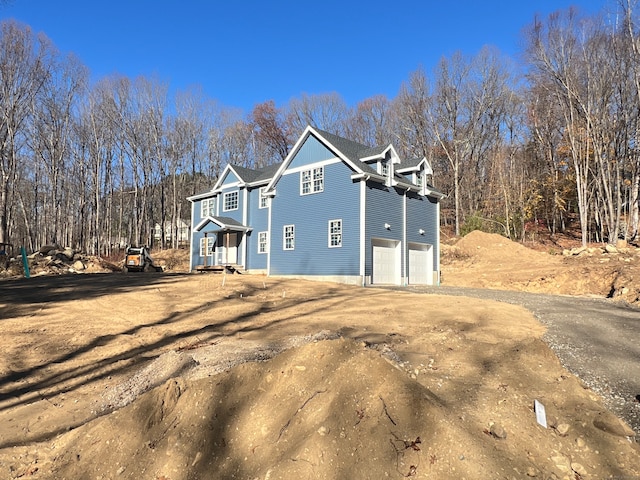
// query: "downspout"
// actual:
[[269, 235], [245, 215], [438, 242], [363, 239], [404, 238], [193, 208], [206, 249]]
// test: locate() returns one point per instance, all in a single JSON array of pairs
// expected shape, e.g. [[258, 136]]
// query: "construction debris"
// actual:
[[54, 260]]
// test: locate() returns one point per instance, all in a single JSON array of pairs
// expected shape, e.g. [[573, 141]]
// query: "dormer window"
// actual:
[[420, 179], [384, 168]]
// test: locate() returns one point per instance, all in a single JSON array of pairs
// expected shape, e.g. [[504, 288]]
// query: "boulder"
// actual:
[[610, 248]]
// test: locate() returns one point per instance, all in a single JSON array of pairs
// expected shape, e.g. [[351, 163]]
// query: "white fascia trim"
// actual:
[[206, 220], [292, 153], [202, 223], [368, 176], [257, 183], [371, 158], [289, 157], [200, 196], [432, 193], [408, 169], [331, 147], [227, 186], [311, 166], [223, 176], [395, 158], [427, 166]]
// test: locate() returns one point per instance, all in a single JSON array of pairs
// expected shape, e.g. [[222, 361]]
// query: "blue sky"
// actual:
[[244, 53]]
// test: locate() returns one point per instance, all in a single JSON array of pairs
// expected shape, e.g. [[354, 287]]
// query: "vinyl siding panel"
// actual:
[[230, 178], [195, 246], [237, 213], [197, 217], [311, 151], [384, 205], [422, 214], [310, 214], [258, 220]]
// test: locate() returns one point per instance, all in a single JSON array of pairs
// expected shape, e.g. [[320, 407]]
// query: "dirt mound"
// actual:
[[496, 249], [172, 260], [331, 409], [229, 426], [486, 260]]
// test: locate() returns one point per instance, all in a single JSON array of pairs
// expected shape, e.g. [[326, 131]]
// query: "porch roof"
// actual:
[[222, 224]]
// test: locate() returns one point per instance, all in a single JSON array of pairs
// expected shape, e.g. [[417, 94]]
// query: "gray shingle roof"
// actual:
[[250, 175], [354, 151]]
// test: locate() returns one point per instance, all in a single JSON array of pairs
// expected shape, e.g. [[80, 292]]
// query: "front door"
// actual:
[[230, 248]]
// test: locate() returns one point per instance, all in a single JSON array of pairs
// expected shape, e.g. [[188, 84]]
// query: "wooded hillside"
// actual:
[[515, 146]]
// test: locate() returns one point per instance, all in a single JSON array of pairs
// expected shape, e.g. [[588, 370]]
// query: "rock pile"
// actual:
[[54, 260], [621, 247]]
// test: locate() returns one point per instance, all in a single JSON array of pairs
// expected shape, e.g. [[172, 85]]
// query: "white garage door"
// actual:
[[420, 264], [386, 262]]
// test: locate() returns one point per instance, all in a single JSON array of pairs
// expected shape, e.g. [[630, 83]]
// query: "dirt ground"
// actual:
[[169, 376]]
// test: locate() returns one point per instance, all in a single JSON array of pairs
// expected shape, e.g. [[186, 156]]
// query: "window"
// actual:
[[384, 168], [419, 179], [210, 244], [263, 246], [230, 201], [312, 181], [335, 233], [264, 200], [207, 207], [289, 237]]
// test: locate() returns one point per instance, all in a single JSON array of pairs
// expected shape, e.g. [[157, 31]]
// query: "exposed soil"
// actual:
[[169, 376]]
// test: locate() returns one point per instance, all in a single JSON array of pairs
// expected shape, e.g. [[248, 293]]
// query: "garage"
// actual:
[[386, 262], [420, 264]]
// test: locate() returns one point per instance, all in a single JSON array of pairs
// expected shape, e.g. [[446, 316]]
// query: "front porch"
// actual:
[[220, 247]]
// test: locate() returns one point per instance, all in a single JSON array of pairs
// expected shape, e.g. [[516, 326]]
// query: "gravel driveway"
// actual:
[[597, 340]]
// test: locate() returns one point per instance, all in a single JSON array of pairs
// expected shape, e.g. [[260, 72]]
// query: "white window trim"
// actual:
[[210, 243], [224, 201], [284, 237], [312, 185], [261, 197], [266, 242], [384, 164], [205, 211], [330, 233]]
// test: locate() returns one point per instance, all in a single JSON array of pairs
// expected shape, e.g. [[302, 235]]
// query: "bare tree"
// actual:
[[50, 138], [24, 70], [369, 122], [326, 111], [554, 55]]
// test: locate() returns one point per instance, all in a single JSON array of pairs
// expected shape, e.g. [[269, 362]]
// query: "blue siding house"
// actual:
[[332, 210]]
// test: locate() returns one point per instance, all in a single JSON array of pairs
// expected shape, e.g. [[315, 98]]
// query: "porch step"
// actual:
[[230, 268]]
